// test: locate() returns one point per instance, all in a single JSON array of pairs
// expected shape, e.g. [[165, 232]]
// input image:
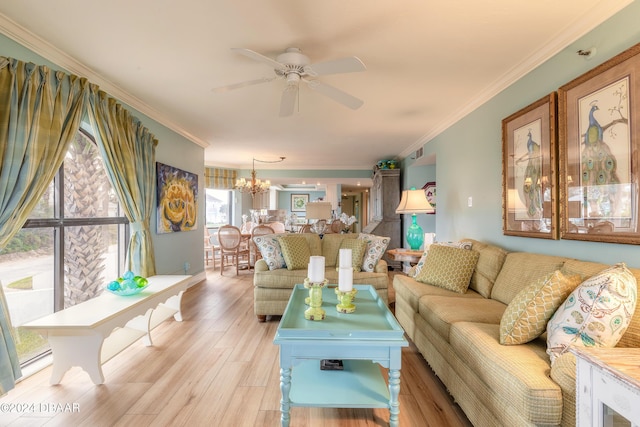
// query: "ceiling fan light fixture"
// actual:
[[293, 66], [293, 78], [293, 56]]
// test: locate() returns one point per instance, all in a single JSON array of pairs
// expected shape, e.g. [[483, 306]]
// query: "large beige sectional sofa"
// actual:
[[273, 287], [458, 334]]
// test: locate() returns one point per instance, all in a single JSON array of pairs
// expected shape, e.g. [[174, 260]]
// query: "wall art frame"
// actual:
[[529, 189], [599, 152], [299, 202], [177, 199], [430, 192]]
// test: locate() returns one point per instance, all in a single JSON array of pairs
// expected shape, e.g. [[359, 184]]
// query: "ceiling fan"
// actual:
[[293, 66]]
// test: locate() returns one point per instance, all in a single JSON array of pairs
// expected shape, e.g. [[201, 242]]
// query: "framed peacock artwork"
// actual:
[[599, 156], [529, 170]]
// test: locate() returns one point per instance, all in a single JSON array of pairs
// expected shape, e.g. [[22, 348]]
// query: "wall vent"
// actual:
[[419, 153]]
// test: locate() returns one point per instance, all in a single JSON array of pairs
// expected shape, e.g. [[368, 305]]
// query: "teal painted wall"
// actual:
[[468, 154], [174, 249]]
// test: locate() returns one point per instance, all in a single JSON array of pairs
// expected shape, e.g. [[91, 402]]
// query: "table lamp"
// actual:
[[414, 202], [318, 211]]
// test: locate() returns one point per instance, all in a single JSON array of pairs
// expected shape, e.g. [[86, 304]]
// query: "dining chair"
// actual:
[[306, 228], [259, 230], [232, 247], [211, 248], [278, 227], [336, 226], [247, 227]]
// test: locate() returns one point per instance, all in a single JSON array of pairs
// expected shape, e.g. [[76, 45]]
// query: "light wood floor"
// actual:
[[219, 367]]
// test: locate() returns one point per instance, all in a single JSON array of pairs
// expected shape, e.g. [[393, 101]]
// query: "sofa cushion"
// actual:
[[521, 269], [315, 243], [441, 312], [596, 314], [269, 247], [490, 263], [527, 314], [376, 245], [358, 248], [448, 267], [410, 291], [286, 279], [296, 252], [331, 247], [519, 373]]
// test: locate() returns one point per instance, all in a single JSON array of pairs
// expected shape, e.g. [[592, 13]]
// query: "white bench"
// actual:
[[92, 332]]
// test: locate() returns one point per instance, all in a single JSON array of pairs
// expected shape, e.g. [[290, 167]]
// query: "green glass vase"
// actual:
[[415, 235]]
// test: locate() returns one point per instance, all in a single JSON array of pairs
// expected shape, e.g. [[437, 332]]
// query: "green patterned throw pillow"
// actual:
[[448, 267], [296, 252], [358, 248], [527, 314], [415, 270]]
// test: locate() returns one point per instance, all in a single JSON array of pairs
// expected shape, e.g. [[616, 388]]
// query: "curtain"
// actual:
[[128, 151], [220, 179], [9, 362], [40, 112]]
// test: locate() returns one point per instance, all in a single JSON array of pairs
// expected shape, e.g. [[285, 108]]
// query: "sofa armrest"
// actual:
[[563, 372], [261, 265], [381, 267]]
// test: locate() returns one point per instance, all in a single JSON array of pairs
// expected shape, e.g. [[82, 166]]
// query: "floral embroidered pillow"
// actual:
[[376, 245], [596, 314], [269, 248]]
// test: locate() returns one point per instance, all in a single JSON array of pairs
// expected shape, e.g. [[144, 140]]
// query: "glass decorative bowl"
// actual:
[[128, 291], [128, 284]]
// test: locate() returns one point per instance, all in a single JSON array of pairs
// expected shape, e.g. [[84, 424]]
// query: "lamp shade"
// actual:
[[414, 202], [318, 210]]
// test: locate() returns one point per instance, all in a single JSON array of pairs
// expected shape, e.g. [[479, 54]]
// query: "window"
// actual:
[[218, 207], [72, 245]]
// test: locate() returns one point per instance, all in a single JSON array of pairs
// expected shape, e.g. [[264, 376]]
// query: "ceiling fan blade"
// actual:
[[258, 57], [227, 88], [335, 94], [288, 102], [350, 64]]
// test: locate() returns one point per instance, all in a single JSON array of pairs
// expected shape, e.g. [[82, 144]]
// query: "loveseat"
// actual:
[[459, 335], [274, 277]]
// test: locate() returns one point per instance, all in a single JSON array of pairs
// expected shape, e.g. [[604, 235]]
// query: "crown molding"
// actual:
[[590, 20], [51, 53]]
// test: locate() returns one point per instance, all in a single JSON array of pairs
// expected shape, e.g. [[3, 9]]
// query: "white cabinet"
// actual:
[[607, 387]]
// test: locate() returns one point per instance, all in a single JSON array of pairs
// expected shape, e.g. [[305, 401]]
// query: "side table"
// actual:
[[607, 386], [405, 255]]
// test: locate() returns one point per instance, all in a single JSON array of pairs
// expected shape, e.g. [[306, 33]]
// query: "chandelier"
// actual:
[[255, 186]]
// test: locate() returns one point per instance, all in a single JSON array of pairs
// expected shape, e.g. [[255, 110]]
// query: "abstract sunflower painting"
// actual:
[[177, 199]]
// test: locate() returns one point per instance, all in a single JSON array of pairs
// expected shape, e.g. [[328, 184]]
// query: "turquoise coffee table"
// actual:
[[370, 335]]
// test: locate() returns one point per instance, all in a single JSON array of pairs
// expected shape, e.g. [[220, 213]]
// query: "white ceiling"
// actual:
[[428, 63]]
